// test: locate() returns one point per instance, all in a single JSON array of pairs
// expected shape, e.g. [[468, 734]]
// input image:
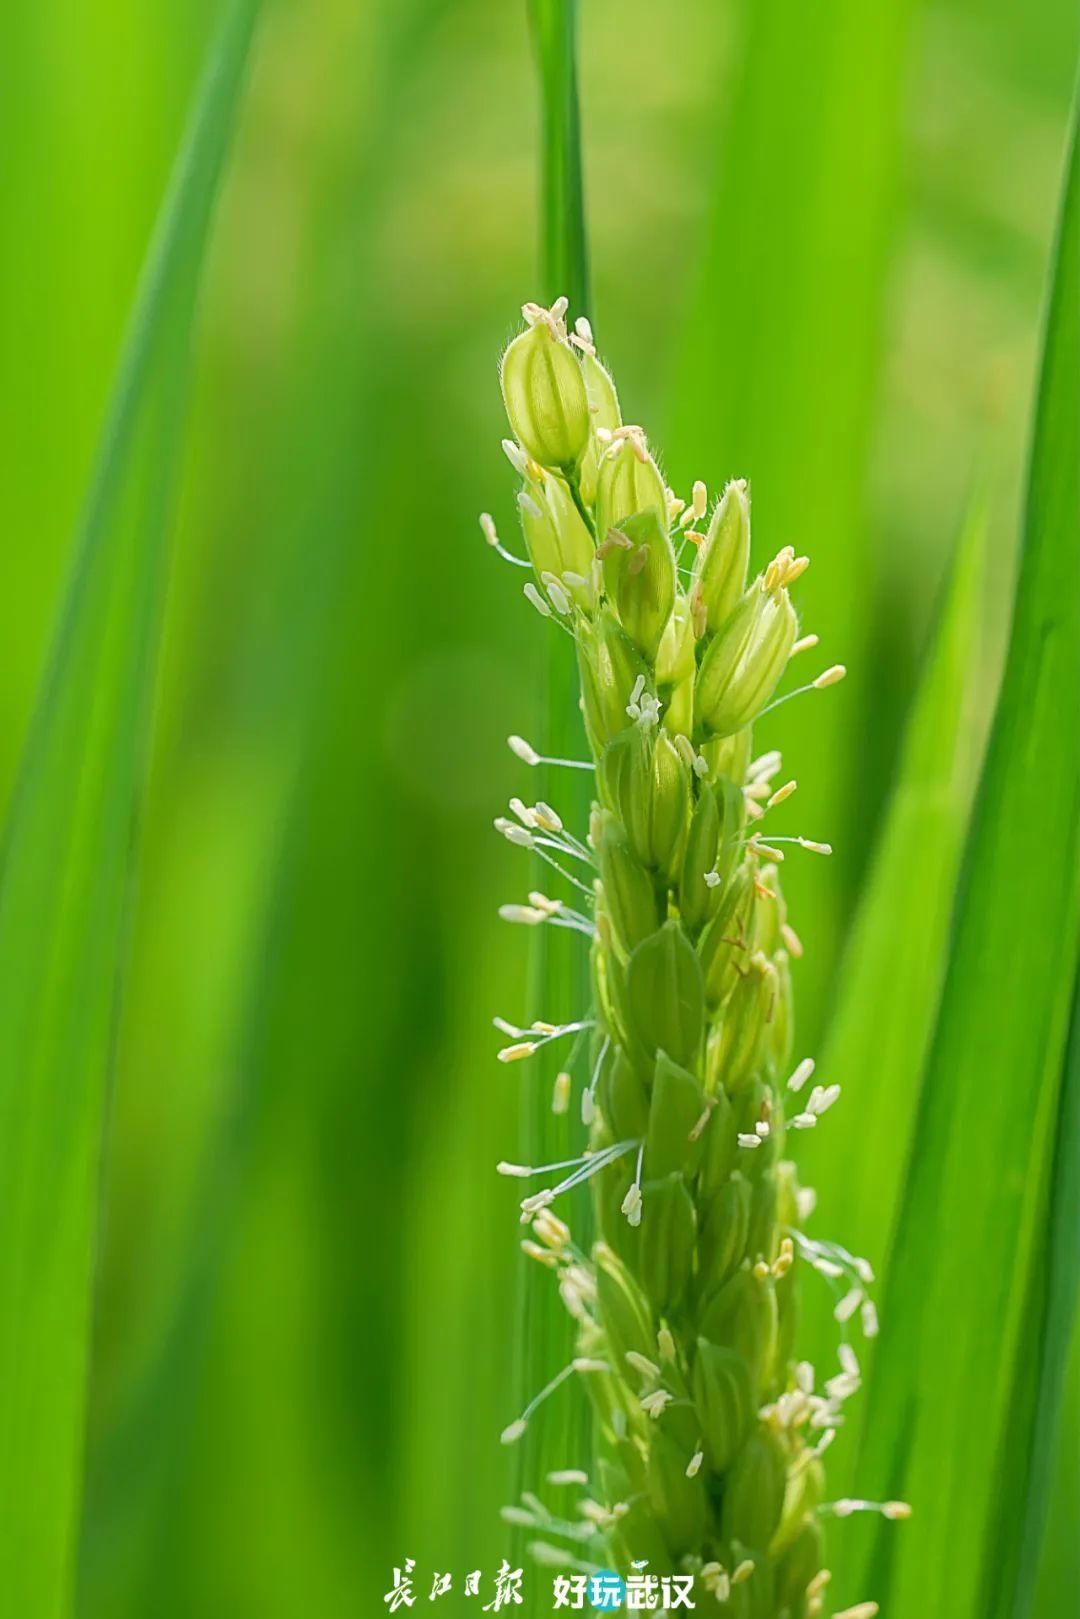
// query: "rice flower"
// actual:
[[711, 1428]]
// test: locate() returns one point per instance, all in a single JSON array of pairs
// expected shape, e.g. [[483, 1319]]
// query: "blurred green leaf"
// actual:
[[952, 1368], [1025, 1500], [896, 958], [65, 881], [1059, 1569], [778, 376]]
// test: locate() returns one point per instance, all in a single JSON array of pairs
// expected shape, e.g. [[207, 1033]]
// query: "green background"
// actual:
[[819, 249]]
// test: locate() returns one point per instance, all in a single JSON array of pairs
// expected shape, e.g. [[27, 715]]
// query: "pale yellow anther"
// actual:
[[543, 1256], [815, 848], [765, 850], [515, 1053], [782, 792]]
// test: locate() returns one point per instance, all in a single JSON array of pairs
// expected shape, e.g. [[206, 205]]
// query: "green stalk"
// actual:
[[558, 977]]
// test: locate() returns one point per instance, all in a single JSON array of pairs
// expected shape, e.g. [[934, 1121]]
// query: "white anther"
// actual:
[[802, 1074], [534, 598], [516, 457], [848, 1305], [527, 915]]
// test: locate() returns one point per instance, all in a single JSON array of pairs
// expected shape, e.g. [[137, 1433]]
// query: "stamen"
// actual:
[[528, 915], [766, 766], [514, 1431], [589, 1166], [802, 1073], [487, 525], [821, 1099], [631, 1204], [766, 850], [526, 752], [523, 749], [588, 1097], [848, 1305], [516, 457], [829, 678], [534, 598], [513, 833], [641, 1364]]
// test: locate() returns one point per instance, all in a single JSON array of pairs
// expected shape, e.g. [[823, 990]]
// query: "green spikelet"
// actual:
[[709, 1429]]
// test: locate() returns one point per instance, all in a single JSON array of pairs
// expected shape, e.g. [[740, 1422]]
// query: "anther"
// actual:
[[802, 1073], [781, 793], [534, 598]]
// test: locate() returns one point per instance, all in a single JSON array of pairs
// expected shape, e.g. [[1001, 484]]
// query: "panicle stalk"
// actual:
[[710, 1431]]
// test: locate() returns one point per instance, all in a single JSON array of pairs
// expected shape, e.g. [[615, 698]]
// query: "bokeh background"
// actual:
[[819, 240]]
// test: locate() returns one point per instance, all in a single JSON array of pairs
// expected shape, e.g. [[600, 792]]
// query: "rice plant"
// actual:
[[259, 1333]]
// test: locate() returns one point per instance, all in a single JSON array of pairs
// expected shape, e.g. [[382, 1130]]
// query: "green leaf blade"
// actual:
[[949, 1366], [64, 884], [894, 966]]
